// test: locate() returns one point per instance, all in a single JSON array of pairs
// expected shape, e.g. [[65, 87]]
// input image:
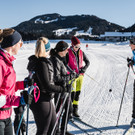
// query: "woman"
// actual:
[[75, 59], [44, 111], [10, 42], [60, 76], [131, 62]]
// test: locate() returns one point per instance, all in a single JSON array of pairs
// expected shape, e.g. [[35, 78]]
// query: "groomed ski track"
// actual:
[[98, 107]]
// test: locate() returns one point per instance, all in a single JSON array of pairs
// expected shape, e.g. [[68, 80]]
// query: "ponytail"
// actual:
[[53, 52]]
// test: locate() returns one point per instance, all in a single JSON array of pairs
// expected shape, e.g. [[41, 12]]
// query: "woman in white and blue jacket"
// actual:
[[131, 62]]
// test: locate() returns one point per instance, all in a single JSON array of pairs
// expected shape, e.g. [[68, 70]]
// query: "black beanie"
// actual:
[[61, 46], [11, 40]]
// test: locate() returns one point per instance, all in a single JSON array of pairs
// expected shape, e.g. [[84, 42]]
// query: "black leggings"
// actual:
[[45, 117], [62, 126], [6, 127]]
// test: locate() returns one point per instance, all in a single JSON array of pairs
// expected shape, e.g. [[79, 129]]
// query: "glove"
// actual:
[[27, 98], [130, 62], [18, 114], [73, 75], [69, 88], [77, 75], [81, 70], [28, 82], [66, 90]]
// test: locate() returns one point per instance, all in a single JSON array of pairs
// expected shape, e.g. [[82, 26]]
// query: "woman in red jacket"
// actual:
[[75, 59], [10, 42]]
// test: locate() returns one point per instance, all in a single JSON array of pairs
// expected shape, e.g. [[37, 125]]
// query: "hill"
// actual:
[[49, 25], [130, 29]]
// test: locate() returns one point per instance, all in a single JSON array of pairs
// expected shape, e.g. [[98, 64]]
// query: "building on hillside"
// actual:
[[117, 36]]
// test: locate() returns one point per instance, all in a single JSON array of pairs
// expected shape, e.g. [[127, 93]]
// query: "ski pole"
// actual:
[[58, 100], [96, 81], [29, 92], [67, 113], [20, 122], [92, 78], [69, 100], [123, 95], [59, 113]]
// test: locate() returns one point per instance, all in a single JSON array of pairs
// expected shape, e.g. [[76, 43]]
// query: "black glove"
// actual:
[[69, 87], [73, 75], [66, 89], [130, 62], [27, 97], [18, 114], [81, 70], [77, 75], [28, 82]]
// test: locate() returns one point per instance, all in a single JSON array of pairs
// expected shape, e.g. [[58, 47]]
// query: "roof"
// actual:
[[118, 34]]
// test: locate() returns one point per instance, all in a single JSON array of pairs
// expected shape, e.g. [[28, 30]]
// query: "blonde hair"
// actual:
[[5, 32], [40, 47]]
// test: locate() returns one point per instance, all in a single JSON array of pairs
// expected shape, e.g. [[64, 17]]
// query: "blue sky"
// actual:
[[13, 12]]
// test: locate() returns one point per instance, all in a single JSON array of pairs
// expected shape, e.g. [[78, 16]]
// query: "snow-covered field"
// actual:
[[98, 107]]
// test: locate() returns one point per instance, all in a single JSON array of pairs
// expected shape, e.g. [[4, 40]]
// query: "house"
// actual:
[[117, 36]]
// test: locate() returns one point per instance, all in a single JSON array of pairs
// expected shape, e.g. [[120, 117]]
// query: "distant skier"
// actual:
[[87, 46], [131, 62], [75, 59]]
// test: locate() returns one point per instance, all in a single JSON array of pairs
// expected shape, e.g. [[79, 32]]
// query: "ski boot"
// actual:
[[75, 112]]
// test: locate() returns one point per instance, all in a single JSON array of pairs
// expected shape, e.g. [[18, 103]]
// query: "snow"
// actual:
[[60, 32], [39, 20], [98, 107], [87, 33]]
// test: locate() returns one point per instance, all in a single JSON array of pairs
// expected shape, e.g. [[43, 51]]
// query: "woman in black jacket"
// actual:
[[61, 77], [44, 111]]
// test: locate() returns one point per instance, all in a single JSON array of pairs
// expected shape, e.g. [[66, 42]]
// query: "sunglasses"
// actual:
[[21, 43], [77, 47]]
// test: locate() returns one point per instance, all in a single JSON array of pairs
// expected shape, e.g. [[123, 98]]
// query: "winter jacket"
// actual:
[[133, 56], [44, 77], [8, 84], [75, 61], [60, 71]]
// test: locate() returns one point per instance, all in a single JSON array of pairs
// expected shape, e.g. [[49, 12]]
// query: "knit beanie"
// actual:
[[11, 40], [61, 46], [47, 46], [75, 41], [132, 41]]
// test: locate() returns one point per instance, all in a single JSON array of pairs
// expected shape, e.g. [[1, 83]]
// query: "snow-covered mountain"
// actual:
[[58, 26], [98, 106]]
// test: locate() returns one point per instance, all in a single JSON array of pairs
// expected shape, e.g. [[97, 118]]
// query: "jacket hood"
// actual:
[[32, 63]]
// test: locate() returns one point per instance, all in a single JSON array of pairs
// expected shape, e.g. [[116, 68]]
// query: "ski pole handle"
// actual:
[[31, 74]]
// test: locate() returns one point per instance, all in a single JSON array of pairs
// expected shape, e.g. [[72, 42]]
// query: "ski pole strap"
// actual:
[[3, 109], [36, 91]]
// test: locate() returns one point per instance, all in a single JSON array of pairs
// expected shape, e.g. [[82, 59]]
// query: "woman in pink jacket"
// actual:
[[10, 43]]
